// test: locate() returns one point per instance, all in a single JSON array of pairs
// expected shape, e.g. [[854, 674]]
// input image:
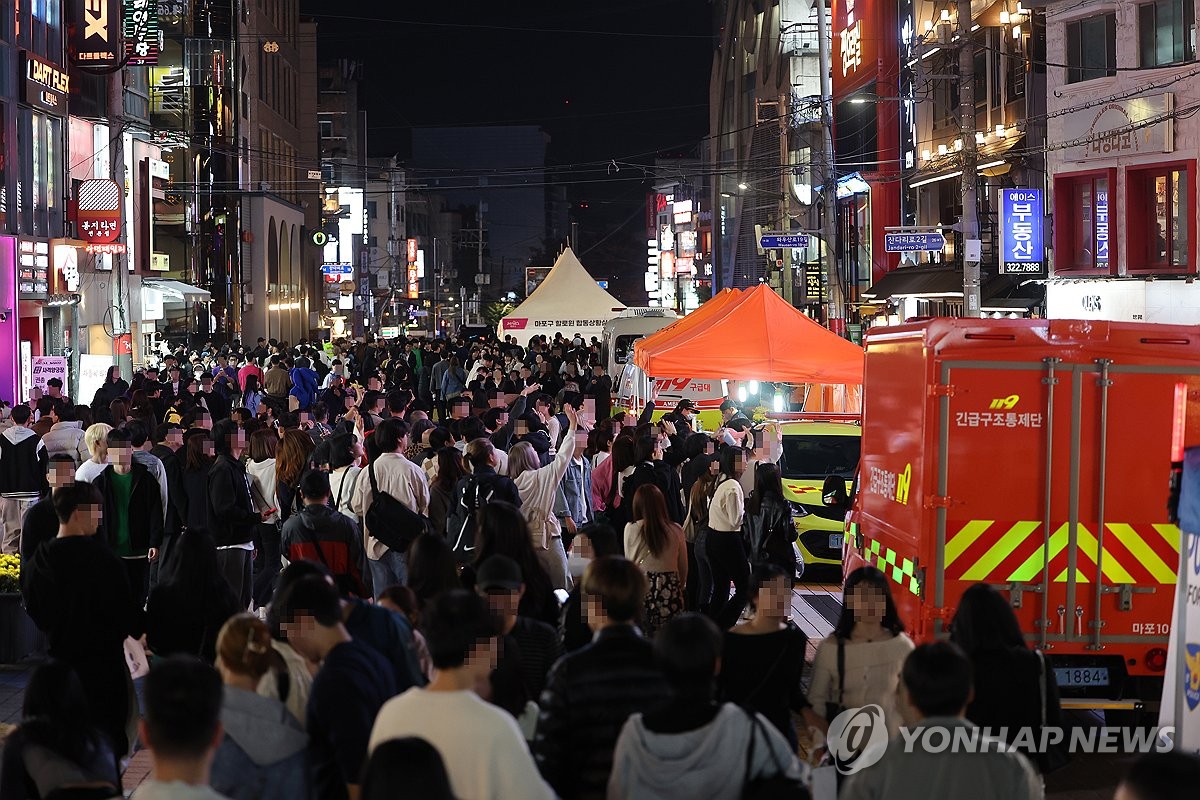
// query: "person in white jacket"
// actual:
[[537, 488], [403, 480]]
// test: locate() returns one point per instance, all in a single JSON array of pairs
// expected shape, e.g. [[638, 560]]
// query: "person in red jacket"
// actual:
[[323, 534]]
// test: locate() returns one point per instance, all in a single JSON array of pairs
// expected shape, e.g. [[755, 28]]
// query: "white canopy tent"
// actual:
[[568, 301]]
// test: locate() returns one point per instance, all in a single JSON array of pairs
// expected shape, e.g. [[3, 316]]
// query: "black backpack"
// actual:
[[462, 523], [392, 522]]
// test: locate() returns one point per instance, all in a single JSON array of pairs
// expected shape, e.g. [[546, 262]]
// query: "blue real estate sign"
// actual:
[[1022, 250]]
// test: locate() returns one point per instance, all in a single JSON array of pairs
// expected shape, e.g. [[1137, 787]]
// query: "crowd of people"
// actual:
[[447, 569]]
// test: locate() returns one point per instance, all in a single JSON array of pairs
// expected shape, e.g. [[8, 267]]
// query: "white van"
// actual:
[[616, 341]]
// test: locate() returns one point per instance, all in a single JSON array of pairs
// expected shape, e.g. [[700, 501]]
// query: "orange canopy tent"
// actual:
[[757, 337], [702, 315]]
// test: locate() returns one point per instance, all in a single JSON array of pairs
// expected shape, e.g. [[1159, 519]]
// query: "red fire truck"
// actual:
[[1035, 456]]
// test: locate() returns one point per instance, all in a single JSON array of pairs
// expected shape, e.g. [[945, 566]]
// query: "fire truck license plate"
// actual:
[[835, 540], [1081, 676]]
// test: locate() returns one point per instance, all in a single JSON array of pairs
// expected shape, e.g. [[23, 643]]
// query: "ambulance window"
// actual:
[[623, 346], [817, 457]]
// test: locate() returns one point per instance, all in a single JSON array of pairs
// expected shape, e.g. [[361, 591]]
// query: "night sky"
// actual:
[[621, 80]]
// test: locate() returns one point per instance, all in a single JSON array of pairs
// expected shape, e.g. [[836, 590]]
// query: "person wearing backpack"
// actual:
[[472, 493], [390, 475]]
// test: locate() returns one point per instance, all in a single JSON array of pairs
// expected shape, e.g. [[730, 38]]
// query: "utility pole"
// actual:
[[836, 308], [786, 201], [120, 273], [970, 157]]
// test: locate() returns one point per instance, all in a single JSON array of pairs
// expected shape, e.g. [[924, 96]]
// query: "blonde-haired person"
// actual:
[[537, 487], [263, 755], [96, 439]]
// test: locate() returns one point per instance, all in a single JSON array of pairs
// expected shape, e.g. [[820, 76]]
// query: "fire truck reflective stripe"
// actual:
[[1112, 570], [1079, 577], [1001, 550], [885, 559], [1141, 550], [1032, 568], [966, 537]]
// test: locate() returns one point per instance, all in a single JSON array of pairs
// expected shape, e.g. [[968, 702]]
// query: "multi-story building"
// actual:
[[1009, 93], [279, 170], [1122, 91], [765, 144]]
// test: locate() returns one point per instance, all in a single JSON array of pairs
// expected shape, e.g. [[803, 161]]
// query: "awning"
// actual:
[[177, 289], [917, 282], [996, 291]]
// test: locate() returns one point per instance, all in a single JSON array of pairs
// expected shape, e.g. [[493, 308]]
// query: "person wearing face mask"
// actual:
[[860, 662], [763, 658], [593, 541]]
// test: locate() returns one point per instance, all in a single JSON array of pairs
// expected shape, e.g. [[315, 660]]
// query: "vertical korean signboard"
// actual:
[[141, 32], [413, 279], [1022, 250]]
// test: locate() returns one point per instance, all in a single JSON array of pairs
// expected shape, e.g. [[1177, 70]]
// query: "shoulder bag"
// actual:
[[778, 786], [390, 521]]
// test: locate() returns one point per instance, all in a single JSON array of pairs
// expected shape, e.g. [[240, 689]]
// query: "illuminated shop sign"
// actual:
[[141, 32], [45, 86], [95, 29]]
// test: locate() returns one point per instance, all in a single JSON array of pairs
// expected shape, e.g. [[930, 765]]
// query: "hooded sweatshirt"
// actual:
[[708, 762], [262, 756], [23, 462]]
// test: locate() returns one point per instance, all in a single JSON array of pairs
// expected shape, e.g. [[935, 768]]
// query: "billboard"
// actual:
[[1022, 250], [141, 32]]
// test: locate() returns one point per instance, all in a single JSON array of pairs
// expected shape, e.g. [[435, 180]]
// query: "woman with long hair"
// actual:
[[860, 662], [537, 487], [1014, 689], [769, 527], [255, 724], [252, 395], [118, 411], [504, 531], [56, 750], [722, 546], [450, 471], [198, 457], [763, 657], [260, 468], [291, 462], [432, 568], [655, 543]]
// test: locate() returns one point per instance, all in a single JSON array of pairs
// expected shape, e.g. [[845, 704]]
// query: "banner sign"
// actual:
[[141, 32], [1021, 247], [95, 28], [47, 367]]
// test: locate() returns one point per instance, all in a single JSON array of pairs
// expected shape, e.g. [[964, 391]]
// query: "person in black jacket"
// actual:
[[133, 517], [78, 595], [41, 521], [652, 469], [231, 514], [590, 693], [168, 441]]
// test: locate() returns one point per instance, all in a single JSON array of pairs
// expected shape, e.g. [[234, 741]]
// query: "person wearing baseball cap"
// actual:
[[528, 647]]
